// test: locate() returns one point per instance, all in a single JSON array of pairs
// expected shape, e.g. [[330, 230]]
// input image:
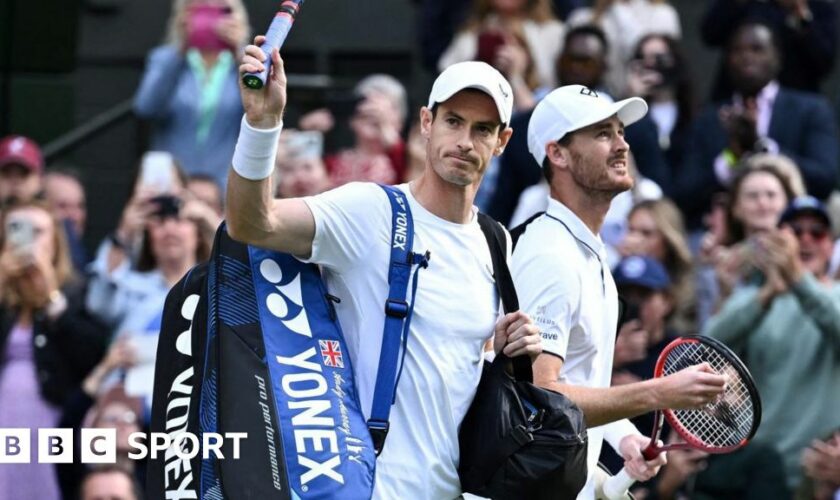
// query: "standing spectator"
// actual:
[[510, 35], [65, 193], [190, 89], [378, 153], [659, 73], [625, 22], [806, 29], [761, 116], [21, 167], [785, 319], [172, 239], [48, 343]]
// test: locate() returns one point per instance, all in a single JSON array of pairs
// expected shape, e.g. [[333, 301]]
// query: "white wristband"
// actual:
[[255, 150]]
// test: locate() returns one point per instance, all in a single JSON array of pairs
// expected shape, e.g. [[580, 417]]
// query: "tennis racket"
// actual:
[[722, 426], [274, 38]]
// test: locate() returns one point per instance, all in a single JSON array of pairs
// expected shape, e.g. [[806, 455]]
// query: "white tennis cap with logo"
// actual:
[[574, 107], [474, 75]]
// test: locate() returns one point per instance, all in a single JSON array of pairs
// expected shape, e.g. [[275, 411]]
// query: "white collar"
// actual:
[[576, 227]]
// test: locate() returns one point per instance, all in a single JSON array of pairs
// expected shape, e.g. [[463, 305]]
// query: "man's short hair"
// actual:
[[111, 469], [587, 30]]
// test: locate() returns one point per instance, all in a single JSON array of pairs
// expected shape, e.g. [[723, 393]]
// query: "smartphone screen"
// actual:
[[157, 171], [20, 232], [489, 43], [201, 28]]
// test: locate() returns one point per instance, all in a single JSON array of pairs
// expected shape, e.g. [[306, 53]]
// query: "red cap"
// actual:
[[20, 150]]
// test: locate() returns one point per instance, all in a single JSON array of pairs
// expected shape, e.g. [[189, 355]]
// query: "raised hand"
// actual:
[[264, 107]]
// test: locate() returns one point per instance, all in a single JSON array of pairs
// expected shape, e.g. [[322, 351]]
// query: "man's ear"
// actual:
[[557, 154], [504, 138], [426, 119]]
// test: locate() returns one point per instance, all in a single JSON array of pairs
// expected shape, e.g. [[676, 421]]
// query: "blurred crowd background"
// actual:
[[118, 121]]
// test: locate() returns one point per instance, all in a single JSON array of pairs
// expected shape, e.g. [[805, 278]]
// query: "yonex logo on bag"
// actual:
[[303, 382], [589, 92], [401, 229], [286, 304], [179, 476]]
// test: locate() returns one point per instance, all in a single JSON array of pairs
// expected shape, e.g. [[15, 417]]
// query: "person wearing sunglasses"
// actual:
[[786, 320]]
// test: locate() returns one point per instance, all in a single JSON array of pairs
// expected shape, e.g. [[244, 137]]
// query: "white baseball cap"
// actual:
[[574, 107], [474, 75]]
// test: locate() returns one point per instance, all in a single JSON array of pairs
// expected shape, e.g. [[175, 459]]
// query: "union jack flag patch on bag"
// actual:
[[331, 351]]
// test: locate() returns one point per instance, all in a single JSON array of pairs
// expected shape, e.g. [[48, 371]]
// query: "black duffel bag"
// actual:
[[519, 440]]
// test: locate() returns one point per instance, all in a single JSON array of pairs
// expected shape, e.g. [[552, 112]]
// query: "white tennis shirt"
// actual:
[[564, 283], [454, 314]]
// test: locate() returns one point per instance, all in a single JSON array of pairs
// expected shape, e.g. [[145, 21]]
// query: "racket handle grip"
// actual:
[[274, 38], [615, 488]]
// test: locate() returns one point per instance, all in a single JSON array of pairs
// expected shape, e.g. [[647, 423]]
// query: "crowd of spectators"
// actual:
[[729, 231]]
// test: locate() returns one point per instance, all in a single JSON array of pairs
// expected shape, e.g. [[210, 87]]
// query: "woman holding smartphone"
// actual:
[[520, 38], [48, 342], [190, 89]]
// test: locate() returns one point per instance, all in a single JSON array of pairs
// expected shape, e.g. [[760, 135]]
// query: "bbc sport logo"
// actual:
[[99, 446]]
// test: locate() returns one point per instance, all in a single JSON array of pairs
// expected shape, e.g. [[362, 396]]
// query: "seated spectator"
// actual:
[[109, 482], [299, 170], [655, 228], [807, 32], [48, 342], [658, 73], [378, 154], [64, 191], [625, 22], [21, 169], [784, 319], [511, 35], [190, 88], [761, 116]]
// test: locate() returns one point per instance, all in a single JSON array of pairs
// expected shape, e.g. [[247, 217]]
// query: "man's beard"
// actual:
[[595, 181]]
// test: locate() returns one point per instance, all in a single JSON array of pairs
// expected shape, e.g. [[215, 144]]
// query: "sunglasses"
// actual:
[[817, 231]]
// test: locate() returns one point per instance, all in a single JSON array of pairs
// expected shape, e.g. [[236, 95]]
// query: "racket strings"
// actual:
[[726, 421]]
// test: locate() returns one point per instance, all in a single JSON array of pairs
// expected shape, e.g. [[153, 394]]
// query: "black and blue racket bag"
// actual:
[[250, 343]]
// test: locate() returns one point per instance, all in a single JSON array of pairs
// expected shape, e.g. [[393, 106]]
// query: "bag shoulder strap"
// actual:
[[519, 230], [397, 314], [496, 238]]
